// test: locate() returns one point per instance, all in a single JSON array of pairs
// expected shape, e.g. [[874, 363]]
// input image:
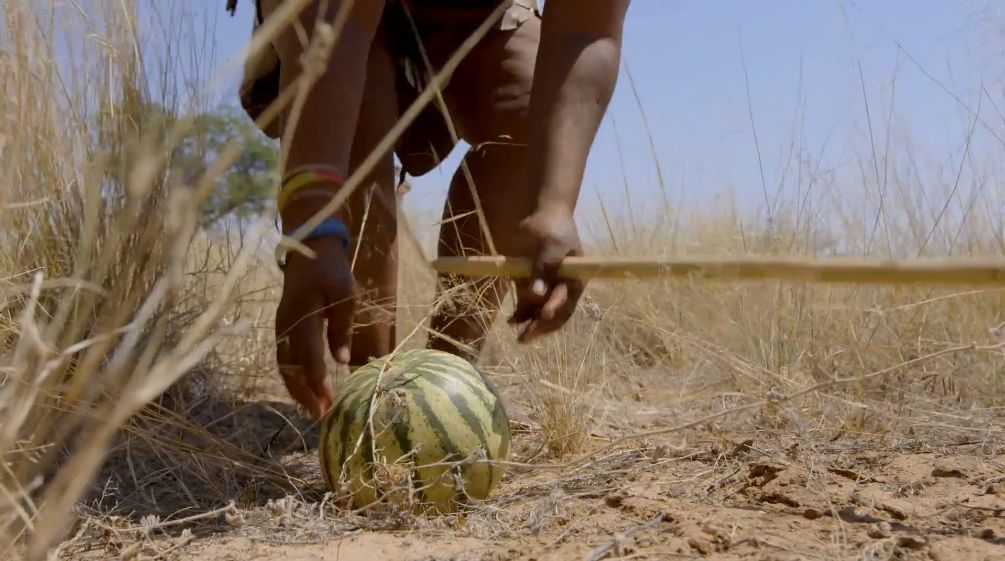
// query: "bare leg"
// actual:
[[579, 53], [324, 131], [467, 309], [373, 217], [489, 101]]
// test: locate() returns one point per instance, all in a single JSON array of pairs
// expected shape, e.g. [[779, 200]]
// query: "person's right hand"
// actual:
[[315, 290]]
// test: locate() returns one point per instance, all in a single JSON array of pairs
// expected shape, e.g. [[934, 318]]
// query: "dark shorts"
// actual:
[[442, 25]]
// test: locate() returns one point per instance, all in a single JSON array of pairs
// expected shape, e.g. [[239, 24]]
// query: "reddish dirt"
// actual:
[[716, 503], [731, 491]]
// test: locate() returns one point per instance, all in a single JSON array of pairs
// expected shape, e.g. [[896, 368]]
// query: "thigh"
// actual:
[[378, 111], [489, 94], [320, 123], [372, 214]]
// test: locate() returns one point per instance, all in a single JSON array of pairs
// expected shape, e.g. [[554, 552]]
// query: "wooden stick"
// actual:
[[838, 270]]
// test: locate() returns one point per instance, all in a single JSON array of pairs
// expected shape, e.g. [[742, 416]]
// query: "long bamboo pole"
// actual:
[[838, 270]]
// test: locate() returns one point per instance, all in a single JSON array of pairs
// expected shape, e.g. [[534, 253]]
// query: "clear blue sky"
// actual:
[[802, 59]]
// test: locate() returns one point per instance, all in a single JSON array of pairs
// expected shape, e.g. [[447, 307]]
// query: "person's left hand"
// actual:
[[544, 300]]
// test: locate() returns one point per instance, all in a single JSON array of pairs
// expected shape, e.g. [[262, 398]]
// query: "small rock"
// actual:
[[880, 530], [767, 470], [996, 488], [701, 545], [779, 498], [946, 470], [812, 514], [987, 534], [615, 499], [892, 508], [911, 541]]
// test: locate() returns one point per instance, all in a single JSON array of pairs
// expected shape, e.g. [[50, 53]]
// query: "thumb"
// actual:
[[545, 267]]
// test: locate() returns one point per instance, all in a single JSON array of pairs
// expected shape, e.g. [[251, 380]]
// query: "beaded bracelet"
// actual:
[[330, 226], [303, 179]]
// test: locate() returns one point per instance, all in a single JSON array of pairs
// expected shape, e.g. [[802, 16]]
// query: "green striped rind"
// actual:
[[341, 432], [447, 412]]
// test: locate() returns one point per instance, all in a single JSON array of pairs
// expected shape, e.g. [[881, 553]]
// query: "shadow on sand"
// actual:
[[184, 455]]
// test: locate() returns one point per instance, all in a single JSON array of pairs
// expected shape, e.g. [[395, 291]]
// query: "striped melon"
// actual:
[[427, 407]]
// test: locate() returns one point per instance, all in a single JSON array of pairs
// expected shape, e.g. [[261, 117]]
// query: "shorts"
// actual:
[[442, 25]]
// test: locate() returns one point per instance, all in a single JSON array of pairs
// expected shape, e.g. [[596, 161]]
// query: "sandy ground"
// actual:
[[860, 505], [732, 490]]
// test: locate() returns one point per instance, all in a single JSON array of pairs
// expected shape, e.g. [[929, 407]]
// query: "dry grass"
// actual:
[[109, 295], [99, 314]]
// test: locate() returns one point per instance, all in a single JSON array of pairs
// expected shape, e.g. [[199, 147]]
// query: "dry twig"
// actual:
[[617, 542]]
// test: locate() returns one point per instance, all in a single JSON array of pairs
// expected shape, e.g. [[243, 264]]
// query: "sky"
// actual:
[[709, 73]]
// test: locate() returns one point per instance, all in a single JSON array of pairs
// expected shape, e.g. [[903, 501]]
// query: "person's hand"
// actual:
[[314, 290], [544, 300]]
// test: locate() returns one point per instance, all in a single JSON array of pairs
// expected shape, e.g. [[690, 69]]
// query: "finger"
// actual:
[[294, 377], [574, 292], [560, 307], [523, 313], [536, 328], [539, 287], [340, 313], [300, 351], [527, 331], [291, 371], [544, 272], [556, 300], [527, 305], [295, 380], [309, 353], [548, 293], [562, 297], [323, 397]]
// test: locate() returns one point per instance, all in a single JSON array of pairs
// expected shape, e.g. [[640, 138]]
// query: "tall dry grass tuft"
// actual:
[[720, 345], [95, 232], [690, 348]]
